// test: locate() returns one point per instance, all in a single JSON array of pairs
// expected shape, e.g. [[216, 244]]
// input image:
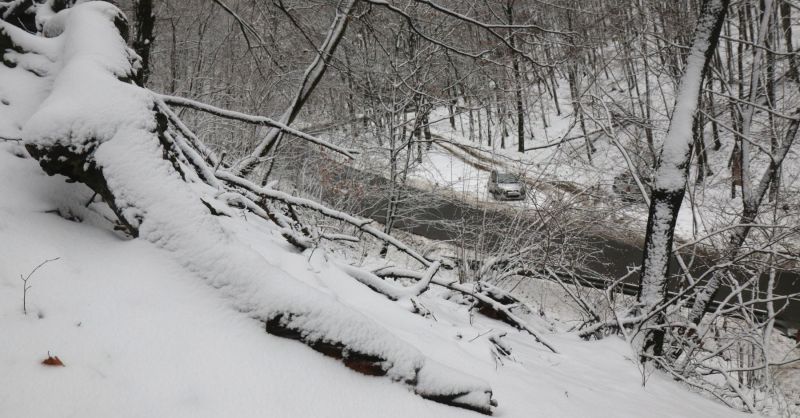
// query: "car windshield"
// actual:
[[507, 178]]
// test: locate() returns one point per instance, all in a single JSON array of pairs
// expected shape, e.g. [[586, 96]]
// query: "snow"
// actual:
[[675, 151], [140, 335], [87, 102], [172, 323], [654, 278]]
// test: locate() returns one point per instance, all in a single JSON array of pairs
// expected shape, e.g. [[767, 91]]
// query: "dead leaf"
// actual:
[[52, 361]]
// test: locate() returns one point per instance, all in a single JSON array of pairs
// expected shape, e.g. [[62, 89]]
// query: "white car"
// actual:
[[506, 186]]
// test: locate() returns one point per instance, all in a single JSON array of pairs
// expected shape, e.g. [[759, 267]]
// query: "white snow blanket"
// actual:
[[91, 112], [142, 336]]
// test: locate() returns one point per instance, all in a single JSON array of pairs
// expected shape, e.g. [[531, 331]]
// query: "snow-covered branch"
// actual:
[[257, 120]]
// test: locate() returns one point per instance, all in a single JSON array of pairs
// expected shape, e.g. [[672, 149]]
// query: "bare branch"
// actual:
[[256, 120]]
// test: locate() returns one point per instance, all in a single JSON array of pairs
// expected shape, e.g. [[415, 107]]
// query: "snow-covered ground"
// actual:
[[443, 169], [451, 168], [141, 336], [172, 324], [707, 208]]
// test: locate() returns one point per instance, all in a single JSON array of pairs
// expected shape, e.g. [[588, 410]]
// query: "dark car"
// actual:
[[626, 188], [506, 186]]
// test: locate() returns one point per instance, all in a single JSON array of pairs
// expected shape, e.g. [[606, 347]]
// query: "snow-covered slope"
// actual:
[[172, 324], [141, 336]]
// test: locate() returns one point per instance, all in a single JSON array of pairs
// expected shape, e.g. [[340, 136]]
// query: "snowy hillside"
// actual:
[[141, 336], [144, 273]]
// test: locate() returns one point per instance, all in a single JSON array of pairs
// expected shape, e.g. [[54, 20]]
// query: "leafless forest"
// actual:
[[654, 142]]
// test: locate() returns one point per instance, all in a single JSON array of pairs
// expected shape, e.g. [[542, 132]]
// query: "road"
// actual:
[[444, 217]]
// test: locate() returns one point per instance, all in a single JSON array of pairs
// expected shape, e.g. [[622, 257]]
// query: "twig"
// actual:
[[25, 286]]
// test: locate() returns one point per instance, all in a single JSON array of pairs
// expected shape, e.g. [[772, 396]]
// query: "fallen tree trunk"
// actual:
[[98, 128]]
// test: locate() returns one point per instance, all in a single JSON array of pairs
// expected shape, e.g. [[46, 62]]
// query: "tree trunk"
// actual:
[[786, 28], [749, 212], [672, 172], [515, 68], [312, 77], [769, 43], [145, 20]]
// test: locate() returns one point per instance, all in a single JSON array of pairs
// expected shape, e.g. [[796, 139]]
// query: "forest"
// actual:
[[347, 208]]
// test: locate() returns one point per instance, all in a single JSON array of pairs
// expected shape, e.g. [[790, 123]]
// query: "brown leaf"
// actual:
[[52, 361]]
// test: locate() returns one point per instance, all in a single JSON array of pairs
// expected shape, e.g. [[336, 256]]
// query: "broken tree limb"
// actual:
[[252, 119], [208, 155], [362, 224], [194, 159], [499, 310], [339, 237], [311, 78], [265, 212], [385, 288], [508, 316]]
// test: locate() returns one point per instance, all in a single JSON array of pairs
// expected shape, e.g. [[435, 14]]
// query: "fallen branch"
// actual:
[[392, 292], [361, 224], [256, 120], [491, 307], [339, 237], [582, 304], [265, 212]]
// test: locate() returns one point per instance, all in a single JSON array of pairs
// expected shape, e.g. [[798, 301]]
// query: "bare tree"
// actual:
[[673, 168]]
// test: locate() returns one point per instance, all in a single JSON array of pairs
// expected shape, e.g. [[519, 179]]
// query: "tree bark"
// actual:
[[312, 77], [703, 300], [786, 28], [672, 172], [517, 74], [145, 21]]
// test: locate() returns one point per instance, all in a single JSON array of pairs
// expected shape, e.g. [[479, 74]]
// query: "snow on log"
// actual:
[[98, 128], [393, 292]]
